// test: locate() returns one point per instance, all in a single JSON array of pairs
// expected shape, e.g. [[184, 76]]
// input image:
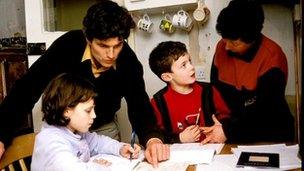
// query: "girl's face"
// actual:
[[81, 116]]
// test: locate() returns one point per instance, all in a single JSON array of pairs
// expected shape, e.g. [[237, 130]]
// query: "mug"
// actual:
[[166, 24], [182, 20], [201, 13], [145, 24]]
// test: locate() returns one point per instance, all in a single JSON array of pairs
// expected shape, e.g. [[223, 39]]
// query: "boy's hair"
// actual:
[[241, 19], [106, 19], [164, 54], [65, 90]]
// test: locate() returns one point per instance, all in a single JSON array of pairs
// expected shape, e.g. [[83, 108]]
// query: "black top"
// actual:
[[65, 55], [260, 113]]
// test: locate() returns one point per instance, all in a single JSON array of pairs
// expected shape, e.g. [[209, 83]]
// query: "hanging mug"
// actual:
[[145, 24], [166, 24], [182, 20], [201, 13]]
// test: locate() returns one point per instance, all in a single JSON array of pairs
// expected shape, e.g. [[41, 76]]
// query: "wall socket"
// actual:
[[200, 74]]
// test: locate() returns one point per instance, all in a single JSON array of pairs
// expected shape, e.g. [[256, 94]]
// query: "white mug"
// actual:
[[182, 20], [145, 24]]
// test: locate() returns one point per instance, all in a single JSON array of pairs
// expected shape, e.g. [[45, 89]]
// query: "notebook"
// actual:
[[258, 160]]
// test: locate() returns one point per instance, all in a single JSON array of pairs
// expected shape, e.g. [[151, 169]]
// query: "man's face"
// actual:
[[105, 52], [236, 47]]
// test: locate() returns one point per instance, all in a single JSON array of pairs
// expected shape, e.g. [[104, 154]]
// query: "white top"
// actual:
[[57, 148]]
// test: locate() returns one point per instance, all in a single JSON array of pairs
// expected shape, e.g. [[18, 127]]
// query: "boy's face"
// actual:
[[81, 116], [183, 72], [105, 52]]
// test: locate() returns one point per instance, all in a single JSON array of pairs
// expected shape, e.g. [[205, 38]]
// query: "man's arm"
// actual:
[[140, 110]]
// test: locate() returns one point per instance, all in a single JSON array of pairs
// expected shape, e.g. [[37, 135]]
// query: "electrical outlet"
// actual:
[[200, 73]]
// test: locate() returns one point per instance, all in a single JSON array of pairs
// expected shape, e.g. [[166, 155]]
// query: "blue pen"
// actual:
[[132, 142]]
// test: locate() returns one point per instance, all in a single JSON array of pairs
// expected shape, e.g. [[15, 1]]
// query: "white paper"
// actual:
[[193, 153], [162, 166], [220, 163], [197, 146], [120, 163]]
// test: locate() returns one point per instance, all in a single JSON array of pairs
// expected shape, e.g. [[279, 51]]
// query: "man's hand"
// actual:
[[215, 133], [2, 149], [156, 151], [190, 134]]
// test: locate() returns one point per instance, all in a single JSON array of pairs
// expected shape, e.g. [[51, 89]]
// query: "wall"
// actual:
[[12, 18]]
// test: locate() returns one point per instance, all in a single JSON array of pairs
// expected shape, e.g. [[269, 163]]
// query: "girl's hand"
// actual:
[[126, 150]]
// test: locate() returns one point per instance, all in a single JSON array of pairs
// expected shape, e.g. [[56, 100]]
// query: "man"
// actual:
[[99, 54], [250, 71]]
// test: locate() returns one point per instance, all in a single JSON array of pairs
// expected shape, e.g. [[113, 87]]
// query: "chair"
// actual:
[[21, 147]]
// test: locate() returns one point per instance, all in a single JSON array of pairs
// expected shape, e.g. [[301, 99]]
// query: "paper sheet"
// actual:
[[120, 163], [193, 153], [197, 146], [162, 166]]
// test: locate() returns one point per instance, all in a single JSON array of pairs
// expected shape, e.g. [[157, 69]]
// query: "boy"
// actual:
[[184, 105], [64, 142]]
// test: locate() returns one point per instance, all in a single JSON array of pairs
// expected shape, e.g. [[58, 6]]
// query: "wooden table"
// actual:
[[226, 150]]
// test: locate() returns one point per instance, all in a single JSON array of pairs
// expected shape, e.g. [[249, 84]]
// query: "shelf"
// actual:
[[157, 6]]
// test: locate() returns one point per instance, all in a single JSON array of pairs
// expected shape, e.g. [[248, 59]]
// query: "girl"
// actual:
[[64, 142]]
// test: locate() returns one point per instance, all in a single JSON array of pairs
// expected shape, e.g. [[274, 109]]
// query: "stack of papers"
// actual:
[[194, 153], [182, 155], [288, 155]]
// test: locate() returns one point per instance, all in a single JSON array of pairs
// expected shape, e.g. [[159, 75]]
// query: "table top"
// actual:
[[227, 150]]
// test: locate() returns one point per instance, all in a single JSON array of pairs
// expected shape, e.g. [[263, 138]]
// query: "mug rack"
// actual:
[[156, 6]]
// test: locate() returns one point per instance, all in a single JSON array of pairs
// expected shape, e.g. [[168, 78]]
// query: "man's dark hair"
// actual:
[[241, 19], [106, 19], [65, 90], [164, 54]]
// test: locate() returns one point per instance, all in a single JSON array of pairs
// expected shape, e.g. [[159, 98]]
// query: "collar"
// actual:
[[250, 54], [87, 55]]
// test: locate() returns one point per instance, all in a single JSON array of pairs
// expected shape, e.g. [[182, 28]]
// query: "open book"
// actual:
[[120, 163]]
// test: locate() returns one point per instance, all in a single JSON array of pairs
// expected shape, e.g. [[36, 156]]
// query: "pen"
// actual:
[[197, 117], [132, 142]]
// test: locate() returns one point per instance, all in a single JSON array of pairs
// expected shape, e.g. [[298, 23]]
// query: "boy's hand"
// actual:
[[126, 150], [190, 134], [215, 133]]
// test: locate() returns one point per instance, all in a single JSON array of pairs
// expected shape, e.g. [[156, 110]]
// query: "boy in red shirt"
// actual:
[[184, 105]]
